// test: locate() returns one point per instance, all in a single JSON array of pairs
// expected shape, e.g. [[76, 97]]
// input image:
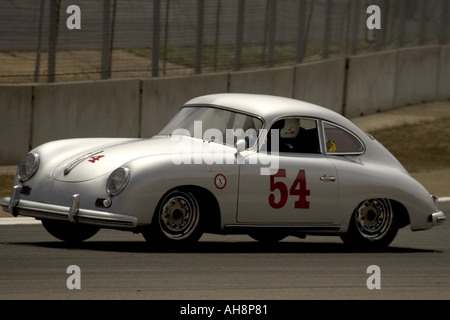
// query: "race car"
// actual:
[[226, 163]]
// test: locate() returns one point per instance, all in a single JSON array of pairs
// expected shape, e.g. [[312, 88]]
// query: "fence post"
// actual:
[[166, 35], [199, 40], [301, 37], [155, 39], [272, 30], [106, 72], [239, 35], [355, 26], [423, 22], [402, 13], [53, 37], [216, 38], [327, 30], [39, 41], [444, 21]]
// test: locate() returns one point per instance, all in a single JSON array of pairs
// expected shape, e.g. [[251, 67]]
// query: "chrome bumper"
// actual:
[[437, 218], [17, 206]]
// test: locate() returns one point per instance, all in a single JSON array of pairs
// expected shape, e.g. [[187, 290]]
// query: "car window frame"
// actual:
[[324, 143], [296, 154], [229, 109]]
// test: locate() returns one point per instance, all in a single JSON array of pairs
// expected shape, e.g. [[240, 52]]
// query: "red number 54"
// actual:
[[298, 188]]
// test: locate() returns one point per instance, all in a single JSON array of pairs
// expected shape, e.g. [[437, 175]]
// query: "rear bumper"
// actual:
[[16, 206], [437, 218]]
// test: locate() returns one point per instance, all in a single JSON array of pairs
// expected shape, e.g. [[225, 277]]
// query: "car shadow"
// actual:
[[221, 247]]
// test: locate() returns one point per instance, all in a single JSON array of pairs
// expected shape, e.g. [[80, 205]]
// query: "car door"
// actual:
[[302, 191]]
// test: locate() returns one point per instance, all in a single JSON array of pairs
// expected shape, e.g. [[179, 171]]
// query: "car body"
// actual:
[[226, 163]]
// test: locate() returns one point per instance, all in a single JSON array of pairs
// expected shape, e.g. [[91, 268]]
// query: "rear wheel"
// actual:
[[176, 220], [69, 232], [373, 225]]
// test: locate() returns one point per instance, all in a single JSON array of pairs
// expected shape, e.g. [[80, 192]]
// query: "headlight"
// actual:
[[117, 181], [28, 166]]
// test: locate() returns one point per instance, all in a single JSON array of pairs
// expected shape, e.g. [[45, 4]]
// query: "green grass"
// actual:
[[223, 57]]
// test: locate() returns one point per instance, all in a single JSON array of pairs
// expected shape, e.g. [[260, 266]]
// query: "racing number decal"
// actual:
[[298, 188], [278, 186]]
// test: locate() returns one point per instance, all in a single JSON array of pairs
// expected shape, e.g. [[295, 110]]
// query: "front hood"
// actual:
[[93, 163]]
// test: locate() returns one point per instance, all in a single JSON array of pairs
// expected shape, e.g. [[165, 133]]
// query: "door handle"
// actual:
[[327, 177]]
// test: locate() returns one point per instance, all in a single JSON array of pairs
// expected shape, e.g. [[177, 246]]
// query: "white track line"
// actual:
[[444, 205], [12, 221]]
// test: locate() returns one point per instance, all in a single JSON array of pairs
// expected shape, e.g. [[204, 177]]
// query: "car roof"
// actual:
[[269, 107]]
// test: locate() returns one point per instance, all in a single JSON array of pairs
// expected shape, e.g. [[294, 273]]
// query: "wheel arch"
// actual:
[[401, 213], [210, 222]]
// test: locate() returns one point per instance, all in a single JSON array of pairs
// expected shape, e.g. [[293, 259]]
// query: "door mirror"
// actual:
[[241, 145]]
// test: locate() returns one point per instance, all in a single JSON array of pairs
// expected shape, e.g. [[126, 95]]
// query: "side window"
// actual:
[[297, 135], [249, 125], [340, 141]]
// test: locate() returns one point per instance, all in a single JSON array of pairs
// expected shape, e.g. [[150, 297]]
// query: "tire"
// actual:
[[373, 225], [176, 221], [69, 232]]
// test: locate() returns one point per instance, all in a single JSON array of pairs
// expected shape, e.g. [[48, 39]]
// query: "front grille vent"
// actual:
[[26, 190], [99, 203]]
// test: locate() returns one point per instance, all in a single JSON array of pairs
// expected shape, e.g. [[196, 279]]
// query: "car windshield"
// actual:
[[215, 125]]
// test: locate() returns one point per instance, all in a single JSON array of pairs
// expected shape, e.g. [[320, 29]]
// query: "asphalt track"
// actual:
[[119, 265]]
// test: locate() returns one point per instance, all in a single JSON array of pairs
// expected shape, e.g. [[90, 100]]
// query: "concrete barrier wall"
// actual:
[[87, 109], [15, 124], [444, 74], [276, 81], [32, 114], [162, 98], [321, 83], [370, 83], [417, 75]]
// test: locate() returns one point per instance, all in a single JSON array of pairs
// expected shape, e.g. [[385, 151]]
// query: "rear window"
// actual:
[[341, 141]]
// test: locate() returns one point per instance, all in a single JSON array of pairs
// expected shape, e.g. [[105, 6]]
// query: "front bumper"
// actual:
[[17, 206]]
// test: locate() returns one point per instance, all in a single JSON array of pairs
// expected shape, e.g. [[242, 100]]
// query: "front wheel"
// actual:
[[69, 232], [373, 225], [176, 220]]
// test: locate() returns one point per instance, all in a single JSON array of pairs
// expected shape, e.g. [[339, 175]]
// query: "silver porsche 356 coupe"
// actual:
[[265, 166]]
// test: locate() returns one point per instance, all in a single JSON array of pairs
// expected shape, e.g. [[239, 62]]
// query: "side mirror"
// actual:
[[241, 145]]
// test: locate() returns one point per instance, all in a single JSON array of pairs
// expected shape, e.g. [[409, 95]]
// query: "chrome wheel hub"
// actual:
[[179, 216], [374, 218]]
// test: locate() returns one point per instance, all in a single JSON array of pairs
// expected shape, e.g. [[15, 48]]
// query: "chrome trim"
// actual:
[[33, 170], [15, 197], [51, 211], [246, 228], [327, 178], [69, 166], [74, 208], [437, 218], [112, 193]]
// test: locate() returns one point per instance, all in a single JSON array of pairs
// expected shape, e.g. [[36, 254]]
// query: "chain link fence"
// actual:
[[157, 38]]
